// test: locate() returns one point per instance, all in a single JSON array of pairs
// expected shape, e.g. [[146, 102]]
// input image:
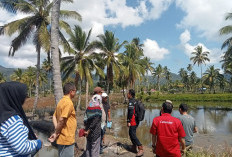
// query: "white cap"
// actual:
[[104, 95]]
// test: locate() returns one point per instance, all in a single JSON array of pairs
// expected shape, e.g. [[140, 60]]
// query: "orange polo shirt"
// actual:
[[66, 109]]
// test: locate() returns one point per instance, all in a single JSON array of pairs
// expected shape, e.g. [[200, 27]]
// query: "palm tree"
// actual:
[[2, 78], [222, 82], [81, 61], [148, 67], [168, 76], [227, 61], [193, 80], [132, 59], [184, 77], [158, 72], [37, 23], [227, 30], [29, 77], [110, 45], [47, 67], [200, 58], [211, 76], [17, 75]]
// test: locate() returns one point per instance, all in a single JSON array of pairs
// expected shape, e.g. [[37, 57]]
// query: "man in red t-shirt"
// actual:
[[167, 132]]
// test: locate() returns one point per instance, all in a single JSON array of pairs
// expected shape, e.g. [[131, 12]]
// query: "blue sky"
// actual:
[[169, 29]]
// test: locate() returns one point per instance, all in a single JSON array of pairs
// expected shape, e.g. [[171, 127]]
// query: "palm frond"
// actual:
[[14, 26], [20, 39], [64, 25], [226, 30], [227, 43], [25, 7], [70, 14]]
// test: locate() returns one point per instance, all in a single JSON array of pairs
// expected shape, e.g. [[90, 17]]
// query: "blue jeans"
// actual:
[[66, 150]]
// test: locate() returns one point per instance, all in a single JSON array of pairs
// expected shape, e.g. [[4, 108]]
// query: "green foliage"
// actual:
[[192, 97]]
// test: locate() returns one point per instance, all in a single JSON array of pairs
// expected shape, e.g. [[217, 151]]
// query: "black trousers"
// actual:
[[133, 137]]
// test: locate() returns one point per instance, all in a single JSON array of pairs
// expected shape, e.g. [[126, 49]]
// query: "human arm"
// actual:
[[182, 143], [16, 135], [60, 125], [195, 127], [154, 140], [54, 120], [109, 115]]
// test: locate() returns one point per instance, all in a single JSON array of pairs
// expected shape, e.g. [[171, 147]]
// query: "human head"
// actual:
[[167, 107], [98, 90], [12, 97], [131, 94], [104, 97], [69, 88], [183, 108]]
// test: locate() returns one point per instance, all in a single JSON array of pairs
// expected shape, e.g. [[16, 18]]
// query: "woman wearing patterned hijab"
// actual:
[[16, 135]]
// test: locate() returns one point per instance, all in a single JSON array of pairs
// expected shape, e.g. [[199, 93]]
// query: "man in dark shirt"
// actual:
[[132, 123]]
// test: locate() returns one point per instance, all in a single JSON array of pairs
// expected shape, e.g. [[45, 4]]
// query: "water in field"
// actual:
[[212, 123]]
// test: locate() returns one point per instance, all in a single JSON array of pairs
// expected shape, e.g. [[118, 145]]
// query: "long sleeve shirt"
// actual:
[[14, 139]]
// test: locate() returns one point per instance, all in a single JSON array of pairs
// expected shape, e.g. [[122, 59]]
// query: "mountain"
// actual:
[[7, 72]]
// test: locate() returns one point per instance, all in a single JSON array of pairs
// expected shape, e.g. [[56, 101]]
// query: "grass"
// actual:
[[187, 97]]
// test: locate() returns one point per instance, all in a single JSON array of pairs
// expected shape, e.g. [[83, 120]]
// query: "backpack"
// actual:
[[139, 111]]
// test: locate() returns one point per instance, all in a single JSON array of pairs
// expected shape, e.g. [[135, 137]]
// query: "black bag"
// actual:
[[139, 111]]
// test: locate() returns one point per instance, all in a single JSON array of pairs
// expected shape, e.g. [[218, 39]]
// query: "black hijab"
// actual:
[[12, 97]]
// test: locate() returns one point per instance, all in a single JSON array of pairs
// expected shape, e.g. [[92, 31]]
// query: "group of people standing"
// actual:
[[97, 115], [18, 139]]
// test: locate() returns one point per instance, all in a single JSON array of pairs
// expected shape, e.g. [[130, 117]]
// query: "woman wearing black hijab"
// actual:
[[16, 135]]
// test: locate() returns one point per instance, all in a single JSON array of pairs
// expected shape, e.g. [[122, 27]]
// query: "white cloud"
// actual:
[[206, 17], [185, 37], [152, 50], [158, 7], [15, 62], [214, 55]]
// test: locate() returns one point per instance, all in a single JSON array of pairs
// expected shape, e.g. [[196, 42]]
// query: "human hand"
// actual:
[[128, 124], [183, 151], [53, 137], [153, 149], [86, 133]]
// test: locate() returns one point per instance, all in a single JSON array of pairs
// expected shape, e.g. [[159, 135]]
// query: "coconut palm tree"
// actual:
[[132, 59], [225, 31], [17, 75], [110, 45], [211, 76], [148, 67], [47, 67], [184, 77], [36, 24], [159, 73], [29, 77], [200, 58], [81, 62], [193, 80]]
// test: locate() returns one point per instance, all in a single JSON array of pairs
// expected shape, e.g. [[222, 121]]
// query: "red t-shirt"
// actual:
[[168, 130]]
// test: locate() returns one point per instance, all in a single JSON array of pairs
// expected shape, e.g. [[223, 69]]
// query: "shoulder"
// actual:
[[11, 122]]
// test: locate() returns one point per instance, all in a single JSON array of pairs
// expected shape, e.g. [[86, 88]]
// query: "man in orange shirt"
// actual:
[[64, 120]]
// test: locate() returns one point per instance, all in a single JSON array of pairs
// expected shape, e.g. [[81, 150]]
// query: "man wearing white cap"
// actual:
[[106, 107]]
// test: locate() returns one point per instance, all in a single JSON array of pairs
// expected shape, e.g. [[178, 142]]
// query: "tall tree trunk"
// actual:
[[201, 81], [58, 92], [86, 93], [79, 96], [37, 81]]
